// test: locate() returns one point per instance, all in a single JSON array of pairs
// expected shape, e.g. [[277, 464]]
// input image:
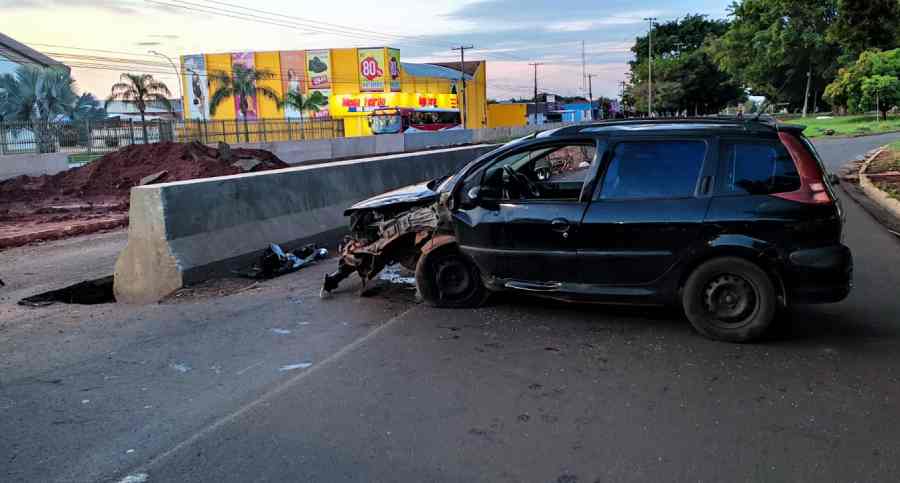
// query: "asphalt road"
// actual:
[[273, 384]]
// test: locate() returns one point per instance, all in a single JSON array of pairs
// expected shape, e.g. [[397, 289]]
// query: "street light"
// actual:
[[177, 73]]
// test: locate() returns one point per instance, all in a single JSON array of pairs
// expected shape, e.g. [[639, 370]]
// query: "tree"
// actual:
[[691, 81], [881, 92], [869, 81], [142, 90], [779, 48], [865, 24], [243, 84], [311, 102], [81, 113], [37, 95]]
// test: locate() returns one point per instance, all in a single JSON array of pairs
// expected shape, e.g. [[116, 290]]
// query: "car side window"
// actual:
[[653, 169], [756, 168], [554, 171]]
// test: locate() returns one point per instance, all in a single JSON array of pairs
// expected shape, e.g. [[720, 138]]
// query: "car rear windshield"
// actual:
[[756, 168]]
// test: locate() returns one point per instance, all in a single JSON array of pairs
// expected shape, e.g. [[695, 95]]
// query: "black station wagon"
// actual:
[[730, 219]]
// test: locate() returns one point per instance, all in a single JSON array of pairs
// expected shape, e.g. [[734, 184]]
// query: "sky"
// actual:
[[509, 34]]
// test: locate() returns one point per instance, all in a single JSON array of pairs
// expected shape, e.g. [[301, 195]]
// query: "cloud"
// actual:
[[165, 36], [147, 44]]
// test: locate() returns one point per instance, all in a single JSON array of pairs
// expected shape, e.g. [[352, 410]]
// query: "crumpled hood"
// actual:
[[409, 195]]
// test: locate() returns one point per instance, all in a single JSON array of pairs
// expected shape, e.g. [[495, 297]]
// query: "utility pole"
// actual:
[[583, 71], [623, 84], [590, 80], [462, 73], [535, 65], [650, 69]]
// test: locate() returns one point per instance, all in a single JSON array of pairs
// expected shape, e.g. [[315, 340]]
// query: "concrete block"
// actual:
[[425, 140], [186, 232], [13, 165], [352, 147], [389, 143]]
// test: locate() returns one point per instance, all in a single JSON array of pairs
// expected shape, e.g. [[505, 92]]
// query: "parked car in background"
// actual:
[[730, 219]]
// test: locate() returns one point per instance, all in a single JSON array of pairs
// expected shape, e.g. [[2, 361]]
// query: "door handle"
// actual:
[[560, 225]]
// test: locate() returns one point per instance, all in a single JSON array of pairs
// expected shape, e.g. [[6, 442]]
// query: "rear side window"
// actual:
[[754, 168], [653, 169]]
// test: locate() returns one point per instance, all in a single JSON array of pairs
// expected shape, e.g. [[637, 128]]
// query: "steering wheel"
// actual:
[[523, 182]]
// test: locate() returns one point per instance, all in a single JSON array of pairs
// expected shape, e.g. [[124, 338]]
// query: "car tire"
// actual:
[[447, 278], [730, 299]]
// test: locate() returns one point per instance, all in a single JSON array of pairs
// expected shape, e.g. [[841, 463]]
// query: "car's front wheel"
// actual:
[[447, 278], [730, 299]]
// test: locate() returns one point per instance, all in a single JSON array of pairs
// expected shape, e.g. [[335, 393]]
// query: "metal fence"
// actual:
[[260, 130], [110, 135]]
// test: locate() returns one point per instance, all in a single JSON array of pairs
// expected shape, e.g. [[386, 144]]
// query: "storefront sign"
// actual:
[[293, 74], [244, 107], [371, 70], [361, 104], [196, 86], [318, 69], [394, 68]]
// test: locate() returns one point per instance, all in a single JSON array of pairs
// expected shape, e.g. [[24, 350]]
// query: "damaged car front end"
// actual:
[[390, 228]]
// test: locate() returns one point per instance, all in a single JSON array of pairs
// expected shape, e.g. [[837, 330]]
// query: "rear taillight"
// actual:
[[813, 189]]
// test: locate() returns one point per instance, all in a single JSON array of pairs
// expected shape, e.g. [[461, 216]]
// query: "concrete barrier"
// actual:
[[307, 152], [389, 143], [424, 140], [13, 165], [185, 232], [353, 147]]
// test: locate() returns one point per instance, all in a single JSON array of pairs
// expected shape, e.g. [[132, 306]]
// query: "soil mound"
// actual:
[[97, 195]]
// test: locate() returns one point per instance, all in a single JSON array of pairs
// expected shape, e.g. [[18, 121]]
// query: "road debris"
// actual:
[[180, 367], [291, 367], [275, 262]]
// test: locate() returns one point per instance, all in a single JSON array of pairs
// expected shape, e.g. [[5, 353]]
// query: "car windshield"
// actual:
[[386, 124]]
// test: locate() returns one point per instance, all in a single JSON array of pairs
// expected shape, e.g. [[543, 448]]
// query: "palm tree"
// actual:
[[242, 83], [85, 110], [142, 89], [312, 102], [37, 95]]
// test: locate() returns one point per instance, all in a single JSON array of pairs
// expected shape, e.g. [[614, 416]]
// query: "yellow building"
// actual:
[[507, 115], [345, 84]]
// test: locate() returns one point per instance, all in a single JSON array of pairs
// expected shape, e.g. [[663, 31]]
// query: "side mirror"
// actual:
[[470, 199]]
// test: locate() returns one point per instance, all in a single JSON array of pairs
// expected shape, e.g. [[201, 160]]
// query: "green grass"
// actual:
[[847, 125], [82, 158]]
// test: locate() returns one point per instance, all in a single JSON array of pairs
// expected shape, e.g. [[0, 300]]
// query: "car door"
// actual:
[[647, 210], [528, 239]]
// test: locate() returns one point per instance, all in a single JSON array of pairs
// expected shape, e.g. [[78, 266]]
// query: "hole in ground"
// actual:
[[89, 292]]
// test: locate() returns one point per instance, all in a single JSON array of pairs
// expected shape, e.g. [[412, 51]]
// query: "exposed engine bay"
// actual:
[[381, 236]]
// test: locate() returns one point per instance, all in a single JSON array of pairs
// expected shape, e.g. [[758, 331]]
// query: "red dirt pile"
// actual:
[[95, 197]]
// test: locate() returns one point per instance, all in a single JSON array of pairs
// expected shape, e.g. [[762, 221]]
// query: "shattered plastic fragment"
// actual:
[[291, 367]]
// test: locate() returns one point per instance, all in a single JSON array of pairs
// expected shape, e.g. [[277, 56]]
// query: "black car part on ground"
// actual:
[[275, 262]]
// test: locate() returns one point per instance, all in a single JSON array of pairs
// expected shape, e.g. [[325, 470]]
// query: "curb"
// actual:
[[878, 196]]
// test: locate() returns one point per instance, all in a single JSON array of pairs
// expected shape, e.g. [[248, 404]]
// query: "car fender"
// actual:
[[751, 249], [438, 241]]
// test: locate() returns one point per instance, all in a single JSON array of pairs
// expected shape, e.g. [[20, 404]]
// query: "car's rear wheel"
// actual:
[[447, 278], [730, 299]]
